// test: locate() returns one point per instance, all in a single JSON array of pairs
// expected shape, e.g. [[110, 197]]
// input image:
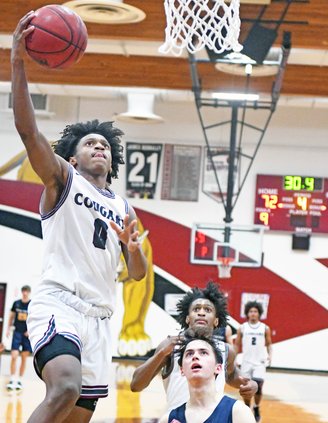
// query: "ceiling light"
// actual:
[[238, 64], [236, 96], [140, 109], [248, 69], [106, 11]]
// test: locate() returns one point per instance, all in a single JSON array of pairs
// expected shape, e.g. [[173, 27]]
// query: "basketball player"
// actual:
[[200, 362], [224, 333], [254, 340], [20, 341], [198, 308], [85, 228]]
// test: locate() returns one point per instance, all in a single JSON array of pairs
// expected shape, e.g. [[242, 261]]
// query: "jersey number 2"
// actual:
[[253, 340]]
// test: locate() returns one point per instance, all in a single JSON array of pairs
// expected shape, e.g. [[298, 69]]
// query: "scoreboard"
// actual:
[[292, 203]]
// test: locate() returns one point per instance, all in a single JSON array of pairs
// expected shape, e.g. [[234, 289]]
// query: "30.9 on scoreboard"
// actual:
[[292, 203]]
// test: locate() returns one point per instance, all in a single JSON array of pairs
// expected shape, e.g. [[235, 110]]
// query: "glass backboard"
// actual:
[[241, 244]]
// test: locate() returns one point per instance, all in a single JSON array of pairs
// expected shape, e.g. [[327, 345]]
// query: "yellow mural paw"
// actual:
[[134, 347]]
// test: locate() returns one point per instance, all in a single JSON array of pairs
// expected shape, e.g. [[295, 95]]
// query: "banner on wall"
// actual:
[[142, 165], [219, 158], [181, 172], [260, 298]]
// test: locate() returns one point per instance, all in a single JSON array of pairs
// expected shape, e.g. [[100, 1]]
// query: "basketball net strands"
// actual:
[[224, 267], [194, 24]]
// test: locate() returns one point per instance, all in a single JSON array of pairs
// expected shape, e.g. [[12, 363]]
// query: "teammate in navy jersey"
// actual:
[[198, 308], [224, 333], [86, 227], [201, 362], [254, 340], [20, 342]]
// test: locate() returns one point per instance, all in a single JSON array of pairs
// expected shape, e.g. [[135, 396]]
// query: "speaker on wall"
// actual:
[[301, 241]]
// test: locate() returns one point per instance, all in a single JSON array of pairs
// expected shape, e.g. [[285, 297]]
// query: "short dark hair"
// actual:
[[26, 288], [211, 293], [253, 304], [201, 334], [72, 134]]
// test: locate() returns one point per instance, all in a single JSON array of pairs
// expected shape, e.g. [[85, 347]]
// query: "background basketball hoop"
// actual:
[[224, 267]]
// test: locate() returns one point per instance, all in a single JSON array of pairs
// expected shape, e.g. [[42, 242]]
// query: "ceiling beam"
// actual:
[[164, 73]]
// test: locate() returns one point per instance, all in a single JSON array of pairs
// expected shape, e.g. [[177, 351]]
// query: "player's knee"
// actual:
[[260, 385], [14, 355], [63, 394]]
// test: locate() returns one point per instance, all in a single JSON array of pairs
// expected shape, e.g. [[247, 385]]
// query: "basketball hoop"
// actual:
[[194, 24], [224, 267]]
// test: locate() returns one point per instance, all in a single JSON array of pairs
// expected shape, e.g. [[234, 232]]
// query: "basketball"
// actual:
[[59, 38]]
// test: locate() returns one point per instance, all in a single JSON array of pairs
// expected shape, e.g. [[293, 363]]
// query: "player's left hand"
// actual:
[[21, 32], [247, 388], [128, 235]]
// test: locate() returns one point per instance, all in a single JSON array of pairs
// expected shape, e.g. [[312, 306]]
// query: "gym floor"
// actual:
[[288, 397]]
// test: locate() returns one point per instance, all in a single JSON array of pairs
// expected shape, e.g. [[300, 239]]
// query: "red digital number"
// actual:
[[200, 238]]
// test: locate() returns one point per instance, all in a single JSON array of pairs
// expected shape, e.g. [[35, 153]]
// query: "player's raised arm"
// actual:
[[45, 163], [146, 372]]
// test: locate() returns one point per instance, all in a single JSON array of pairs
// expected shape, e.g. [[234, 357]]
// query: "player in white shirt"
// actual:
[[85, 228], [254, 340], [198, 308]]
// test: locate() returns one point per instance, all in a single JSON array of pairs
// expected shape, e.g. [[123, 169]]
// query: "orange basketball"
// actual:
[[59, 38]]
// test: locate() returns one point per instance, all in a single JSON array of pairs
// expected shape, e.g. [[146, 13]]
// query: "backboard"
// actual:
[[242, 245]]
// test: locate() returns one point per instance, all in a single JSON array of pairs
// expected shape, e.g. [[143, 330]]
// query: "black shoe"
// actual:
[[257, 415]]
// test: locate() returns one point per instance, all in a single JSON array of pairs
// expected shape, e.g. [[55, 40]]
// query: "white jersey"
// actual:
[[81, 251], [253, 342], [176, 386]]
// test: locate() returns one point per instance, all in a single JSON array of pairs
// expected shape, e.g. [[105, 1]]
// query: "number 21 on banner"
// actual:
[[137, 172]]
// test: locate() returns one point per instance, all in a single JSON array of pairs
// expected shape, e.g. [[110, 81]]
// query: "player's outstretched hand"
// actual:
[[168, 344], [21, 32], [129, 235], [247, 388]]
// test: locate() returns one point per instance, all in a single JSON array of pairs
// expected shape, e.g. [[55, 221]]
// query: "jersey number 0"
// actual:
[[100, 234]]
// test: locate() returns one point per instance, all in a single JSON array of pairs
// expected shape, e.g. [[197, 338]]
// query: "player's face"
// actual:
[[93, 152], [25, 295], [199, 361], [202, 313], [253, 315]]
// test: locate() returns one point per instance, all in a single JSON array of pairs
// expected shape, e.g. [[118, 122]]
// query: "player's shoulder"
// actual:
[[221, 345], [243, 326], [241, 413]]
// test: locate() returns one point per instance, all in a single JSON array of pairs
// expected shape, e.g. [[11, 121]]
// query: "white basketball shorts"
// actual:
[[87, 326], [253, 371]]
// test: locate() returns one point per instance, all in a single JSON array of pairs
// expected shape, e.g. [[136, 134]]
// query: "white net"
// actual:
[[194, 24], [224, 267]]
